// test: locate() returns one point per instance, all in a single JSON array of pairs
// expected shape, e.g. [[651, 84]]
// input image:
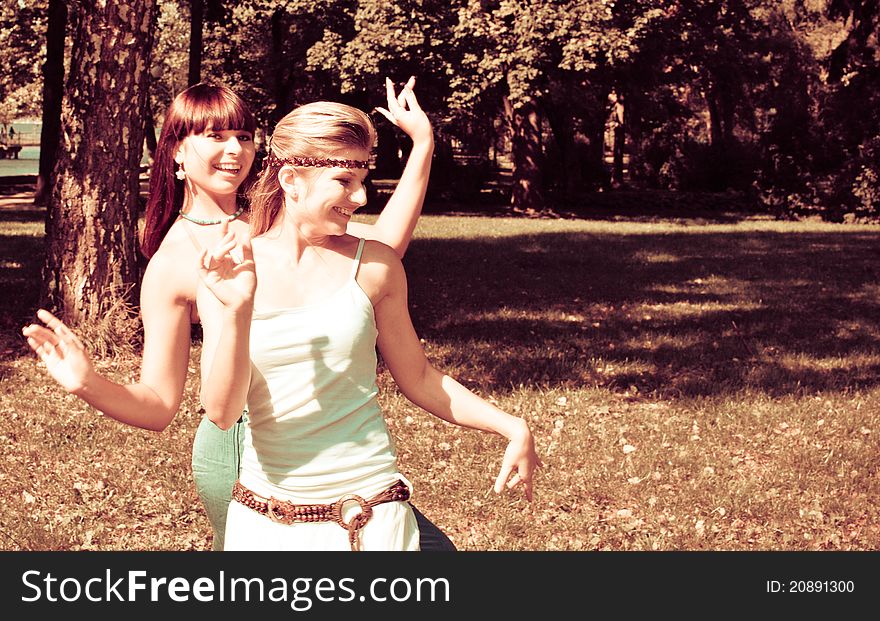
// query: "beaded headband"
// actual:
[[317, 162]]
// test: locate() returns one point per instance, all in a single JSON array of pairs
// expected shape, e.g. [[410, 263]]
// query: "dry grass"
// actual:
[[692, 384]]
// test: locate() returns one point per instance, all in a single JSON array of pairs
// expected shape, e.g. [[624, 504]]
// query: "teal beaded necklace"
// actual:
[[186, 216]]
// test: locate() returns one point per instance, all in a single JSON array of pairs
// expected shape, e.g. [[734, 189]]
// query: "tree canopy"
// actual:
[[22, 37], [742, 95]]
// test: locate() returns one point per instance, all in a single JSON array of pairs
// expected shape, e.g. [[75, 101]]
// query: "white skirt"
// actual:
[[392, 527]]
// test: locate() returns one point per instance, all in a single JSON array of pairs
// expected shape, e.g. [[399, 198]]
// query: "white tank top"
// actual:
[[315, 430]]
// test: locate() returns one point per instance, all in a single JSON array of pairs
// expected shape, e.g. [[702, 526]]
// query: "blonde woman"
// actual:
[[301, 310]]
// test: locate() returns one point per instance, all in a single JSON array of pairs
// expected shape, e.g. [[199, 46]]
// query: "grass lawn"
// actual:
[[695, 382]]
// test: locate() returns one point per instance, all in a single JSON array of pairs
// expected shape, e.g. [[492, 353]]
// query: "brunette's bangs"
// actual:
[[219, 110]]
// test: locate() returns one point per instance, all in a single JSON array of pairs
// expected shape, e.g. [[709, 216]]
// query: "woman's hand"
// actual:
[[229, 271], [520, 461], [404, 111], [61, 350]]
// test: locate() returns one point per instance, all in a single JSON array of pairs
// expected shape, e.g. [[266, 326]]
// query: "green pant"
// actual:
[[216, 462]]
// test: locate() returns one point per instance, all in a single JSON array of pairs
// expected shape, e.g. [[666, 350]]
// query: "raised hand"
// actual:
[[520, 461], [404, 111], [229, 272], [61, 350]]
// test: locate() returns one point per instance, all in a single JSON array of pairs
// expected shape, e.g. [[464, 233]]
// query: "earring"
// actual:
[[181, 173]]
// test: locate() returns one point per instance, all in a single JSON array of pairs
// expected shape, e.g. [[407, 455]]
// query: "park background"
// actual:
[[651, 231]]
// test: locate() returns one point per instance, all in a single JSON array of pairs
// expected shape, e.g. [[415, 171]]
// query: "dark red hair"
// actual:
[[194, 110]]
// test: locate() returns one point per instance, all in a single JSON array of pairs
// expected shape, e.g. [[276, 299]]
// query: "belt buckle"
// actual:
[[271, 507], [356, 521]]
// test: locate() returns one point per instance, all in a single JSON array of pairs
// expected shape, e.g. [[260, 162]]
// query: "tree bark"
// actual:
[[619, 139], [570, 175], [722, 114], [527, 155], [149, 129], [53, 93], [595, 129], [91, 216], [196, 26], [716, 134], [279, 81], [388, 165]]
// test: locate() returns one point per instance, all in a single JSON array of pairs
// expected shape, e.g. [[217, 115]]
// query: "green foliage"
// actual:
[[821, 139], [262, 50], [866, 186], [22, 102], [22, 24], [518, 46], [780, 98], [378, 39], [170, 54]]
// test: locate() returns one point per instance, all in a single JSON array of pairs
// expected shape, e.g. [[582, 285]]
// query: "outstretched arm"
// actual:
[[150, 403], [435, 391], [395, 225]]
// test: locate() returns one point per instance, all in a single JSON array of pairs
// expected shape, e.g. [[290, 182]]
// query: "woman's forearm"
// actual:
[[444, 397], [137, 405], [396, 223], [224, 392]]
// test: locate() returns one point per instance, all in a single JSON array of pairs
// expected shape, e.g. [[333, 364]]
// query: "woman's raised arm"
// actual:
[[395, 225]]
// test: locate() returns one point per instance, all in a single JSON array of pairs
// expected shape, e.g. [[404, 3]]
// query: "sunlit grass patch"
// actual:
[[655, 257], [740, 472]]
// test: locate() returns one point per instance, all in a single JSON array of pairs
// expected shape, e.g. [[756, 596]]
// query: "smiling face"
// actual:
[[324, 199], [216, 161]]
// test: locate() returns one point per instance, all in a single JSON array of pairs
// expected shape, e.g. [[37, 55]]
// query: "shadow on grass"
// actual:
[[615, 206], [663, 205], [21, 259], [672, 312]]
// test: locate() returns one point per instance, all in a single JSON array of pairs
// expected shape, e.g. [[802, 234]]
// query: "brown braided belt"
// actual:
[[285, 512]]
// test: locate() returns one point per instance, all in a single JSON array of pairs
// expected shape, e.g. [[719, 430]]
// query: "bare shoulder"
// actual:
[[381, 272], [375, 252], [171, 271], [378, 255]]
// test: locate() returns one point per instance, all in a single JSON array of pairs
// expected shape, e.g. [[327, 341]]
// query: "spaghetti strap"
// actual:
[[357, 259]]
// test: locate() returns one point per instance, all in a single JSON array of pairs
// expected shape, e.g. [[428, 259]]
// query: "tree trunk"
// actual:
[[722, 110], [721, 115], [91, 215], [53, 93], [527, 155], [149, 130], [636, 169], [619, 136], [388, 165], [570, 176], [716, 133], [728, 119], [196, 26], [595, 125], [279, 83]]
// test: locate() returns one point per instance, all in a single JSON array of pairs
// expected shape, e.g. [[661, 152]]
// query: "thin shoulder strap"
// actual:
[[192, 237], [357, 258]]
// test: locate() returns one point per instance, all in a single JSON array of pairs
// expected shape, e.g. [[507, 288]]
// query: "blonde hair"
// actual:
[[314, 130]]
